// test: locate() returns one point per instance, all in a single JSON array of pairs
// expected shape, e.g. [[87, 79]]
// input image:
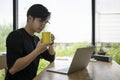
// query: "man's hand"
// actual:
[[52, 39], [41, 47]]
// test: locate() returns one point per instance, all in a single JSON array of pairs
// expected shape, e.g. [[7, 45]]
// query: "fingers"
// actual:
[[43, 44], [52, 37]]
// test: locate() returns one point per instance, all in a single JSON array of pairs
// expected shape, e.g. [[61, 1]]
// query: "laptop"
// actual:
[[80, 61]]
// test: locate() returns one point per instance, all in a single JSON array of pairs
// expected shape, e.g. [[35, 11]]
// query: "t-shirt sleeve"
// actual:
[[46, 55], [14, 45]]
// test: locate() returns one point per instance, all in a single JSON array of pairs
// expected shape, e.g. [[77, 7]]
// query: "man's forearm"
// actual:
[[51, 50], [23, 62]]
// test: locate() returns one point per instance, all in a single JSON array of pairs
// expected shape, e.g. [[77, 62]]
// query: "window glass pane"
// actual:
[[6, 16], [107, 21], [108, 27], [70, 22], [108, 6]]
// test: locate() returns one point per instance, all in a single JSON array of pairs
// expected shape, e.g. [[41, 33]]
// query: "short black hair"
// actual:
[[38, 11]]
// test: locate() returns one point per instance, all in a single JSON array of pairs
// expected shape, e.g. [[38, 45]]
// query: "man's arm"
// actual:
[[50, 54], [51, 50], [23, 62]]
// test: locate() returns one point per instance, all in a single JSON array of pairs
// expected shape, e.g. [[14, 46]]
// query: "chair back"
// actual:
[[3, 62]]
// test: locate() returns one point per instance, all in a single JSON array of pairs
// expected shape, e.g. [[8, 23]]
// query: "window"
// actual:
[[108, 27], [70, 20], [5, 22], [108, 21], [5, 27]]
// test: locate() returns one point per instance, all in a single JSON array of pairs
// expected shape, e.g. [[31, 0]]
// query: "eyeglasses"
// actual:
[[44, 22]]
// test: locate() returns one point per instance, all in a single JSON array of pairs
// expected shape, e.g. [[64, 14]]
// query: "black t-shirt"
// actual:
[[19, 44]]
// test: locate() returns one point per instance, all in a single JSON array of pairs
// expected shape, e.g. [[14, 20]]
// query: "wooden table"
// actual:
[[95, 71]]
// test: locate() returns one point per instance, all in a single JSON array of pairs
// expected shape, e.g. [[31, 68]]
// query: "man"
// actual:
[[24, 49]]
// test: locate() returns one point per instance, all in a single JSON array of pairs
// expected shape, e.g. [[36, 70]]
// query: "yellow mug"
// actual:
[[46, 37]]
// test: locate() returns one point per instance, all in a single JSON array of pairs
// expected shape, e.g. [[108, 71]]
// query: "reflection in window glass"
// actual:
[[5, 22]]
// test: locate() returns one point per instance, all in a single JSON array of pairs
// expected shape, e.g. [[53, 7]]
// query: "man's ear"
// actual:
[[29, 18]]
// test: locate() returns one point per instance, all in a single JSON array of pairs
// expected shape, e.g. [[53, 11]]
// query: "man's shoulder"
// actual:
[[14, 37], [19, 31], [15, 33]]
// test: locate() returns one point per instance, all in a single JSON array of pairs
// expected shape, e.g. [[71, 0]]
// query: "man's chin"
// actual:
[[38, 31]]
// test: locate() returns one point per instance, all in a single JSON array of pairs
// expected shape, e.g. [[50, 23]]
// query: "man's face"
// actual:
[[37, 25]]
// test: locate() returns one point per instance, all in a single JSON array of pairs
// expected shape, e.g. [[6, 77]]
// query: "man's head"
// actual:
[[37, 17], [38, 11]]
